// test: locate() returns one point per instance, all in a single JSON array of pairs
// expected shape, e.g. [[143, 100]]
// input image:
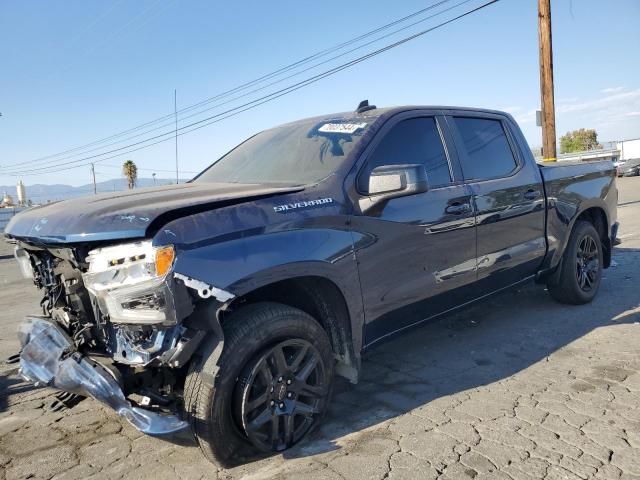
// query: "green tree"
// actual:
[[130, 170], [579, 140]]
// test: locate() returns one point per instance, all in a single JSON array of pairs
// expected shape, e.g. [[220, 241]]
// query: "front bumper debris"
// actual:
[[204, 289], [49, 357]]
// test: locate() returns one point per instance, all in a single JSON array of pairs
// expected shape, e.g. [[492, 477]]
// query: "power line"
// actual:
[[251, 91], [150, 169], [244, 85], [265, 99], [175, 109], [254, 103]]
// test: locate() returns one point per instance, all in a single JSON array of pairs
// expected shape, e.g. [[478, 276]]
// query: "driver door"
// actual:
[[416, 253]]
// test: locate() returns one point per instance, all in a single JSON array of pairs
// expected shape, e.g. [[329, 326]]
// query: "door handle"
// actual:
[[458, 208], [531, 194]]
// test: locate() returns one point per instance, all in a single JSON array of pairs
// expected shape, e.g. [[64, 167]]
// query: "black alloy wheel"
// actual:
[[268, 389], [579, 274], [282, 395], [588, 263]]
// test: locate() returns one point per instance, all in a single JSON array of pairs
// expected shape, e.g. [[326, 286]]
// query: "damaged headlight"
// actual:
[[22, 257], [131, 282]]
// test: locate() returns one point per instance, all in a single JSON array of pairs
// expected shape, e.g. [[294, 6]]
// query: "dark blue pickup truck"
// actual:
[[228, 303]]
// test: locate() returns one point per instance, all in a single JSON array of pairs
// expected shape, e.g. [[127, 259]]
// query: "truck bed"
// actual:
[[572, 187]]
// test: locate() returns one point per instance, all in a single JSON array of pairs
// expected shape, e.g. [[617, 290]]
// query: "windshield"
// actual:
[[299, 153]]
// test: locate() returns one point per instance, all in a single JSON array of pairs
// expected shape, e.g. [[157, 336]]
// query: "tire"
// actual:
[[581, 267], [221, 410]]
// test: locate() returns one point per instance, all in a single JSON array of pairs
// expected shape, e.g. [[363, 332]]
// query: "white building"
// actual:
[[629, 148], [612, 151], [612, 155]]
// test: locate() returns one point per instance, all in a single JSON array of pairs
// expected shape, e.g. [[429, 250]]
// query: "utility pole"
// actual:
[[175, 114], [546, 82], [93, 173]]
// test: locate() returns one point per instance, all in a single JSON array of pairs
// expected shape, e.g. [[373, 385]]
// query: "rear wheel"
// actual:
[[581, 269], [272, 386]]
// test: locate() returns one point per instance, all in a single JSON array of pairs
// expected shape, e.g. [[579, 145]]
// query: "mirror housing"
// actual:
[[389, 181]]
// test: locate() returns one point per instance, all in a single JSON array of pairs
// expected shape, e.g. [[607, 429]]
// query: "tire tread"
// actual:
[[566, 289], [246, 331]]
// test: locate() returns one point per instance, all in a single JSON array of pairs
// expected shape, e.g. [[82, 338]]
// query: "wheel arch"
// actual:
[[597, 216], [319, 297]]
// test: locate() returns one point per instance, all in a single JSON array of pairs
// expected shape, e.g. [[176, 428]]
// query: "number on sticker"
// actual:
[[341, 127]]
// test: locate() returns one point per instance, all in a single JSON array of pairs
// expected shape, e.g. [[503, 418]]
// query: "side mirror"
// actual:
[[389, 181]]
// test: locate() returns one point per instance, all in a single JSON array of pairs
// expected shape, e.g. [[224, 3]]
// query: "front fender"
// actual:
[[242, 265]]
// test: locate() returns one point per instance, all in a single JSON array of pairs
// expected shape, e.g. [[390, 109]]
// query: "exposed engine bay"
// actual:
[[116, 324]]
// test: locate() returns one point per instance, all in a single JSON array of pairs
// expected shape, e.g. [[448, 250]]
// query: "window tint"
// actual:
[[413, 141], [488, 154]]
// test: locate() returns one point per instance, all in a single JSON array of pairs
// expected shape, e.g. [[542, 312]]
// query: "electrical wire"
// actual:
[[150, 169], [257, 89], [244, 85], [260, 101]]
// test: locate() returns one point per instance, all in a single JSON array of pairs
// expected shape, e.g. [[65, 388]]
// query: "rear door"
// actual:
[[416, 254], [508, 196]]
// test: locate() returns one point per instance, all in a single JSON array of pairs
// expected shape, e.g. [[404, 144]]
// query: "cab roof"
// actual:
[[386, 112]]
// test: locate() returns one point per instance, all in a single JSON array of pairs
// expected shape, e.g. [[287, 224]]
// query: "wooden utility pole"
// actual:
[[546, 82], [93, 173]]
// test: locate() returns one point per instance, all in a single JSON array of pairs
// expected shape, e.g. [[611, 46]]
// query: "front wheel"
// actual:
[[272, 386], [581, 269]]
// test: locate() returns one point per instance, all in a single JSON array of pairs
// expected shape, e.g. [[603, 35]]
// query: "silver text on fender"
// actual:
[[310, 203]]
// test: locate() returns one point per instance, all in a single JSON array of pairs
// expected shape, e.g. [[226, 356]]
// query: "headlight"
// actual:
[[24, 262], [131, 282]]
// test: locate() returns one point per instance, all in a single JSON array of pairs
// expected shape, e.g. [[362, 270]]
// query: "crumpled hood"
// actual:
[[129, 214]]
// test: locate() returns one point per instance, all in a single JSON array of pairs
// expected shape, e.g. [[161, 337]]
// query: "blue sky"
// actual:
[[78, 71]]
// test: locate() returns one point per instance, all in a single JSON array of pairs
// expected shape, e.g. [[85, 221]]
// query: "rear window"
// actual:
[[487, 153]]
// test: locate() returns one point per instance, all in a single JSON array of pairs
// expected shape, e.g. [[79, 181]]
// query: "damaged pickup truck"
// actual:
[[228, 303]]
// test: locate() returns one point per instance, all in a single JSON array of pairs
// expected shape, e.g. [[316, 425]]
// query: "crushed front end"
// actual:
[[117, 324]]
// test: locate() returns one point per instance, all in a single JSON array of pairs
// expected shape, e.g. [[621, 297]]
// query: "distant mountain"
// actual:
[[40, 193]]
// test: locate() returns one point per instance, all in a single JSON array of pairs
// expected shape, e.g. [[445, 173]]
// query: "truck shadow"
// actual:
[[11, 385], [484, 344]]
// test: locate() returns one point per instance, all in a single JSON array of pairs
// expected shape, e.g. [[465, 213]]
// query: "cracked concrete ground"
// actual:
[[520, 387]]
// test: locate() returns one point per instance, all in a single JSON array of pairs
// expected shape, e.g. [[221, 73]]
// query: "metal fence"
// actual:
[[7, 214]]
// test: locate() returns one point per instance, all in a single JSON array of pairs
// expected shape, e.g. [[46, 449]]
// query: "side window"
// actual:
[[488, 154], [413, 141]]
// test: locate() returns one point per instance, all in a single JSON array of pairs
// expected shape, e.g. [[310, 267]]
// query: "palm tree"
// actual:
[[130, 171]]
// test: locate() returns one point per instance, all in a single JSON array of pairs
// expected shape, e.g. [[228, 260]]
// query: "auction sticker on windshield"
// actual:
[[341, 127]]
